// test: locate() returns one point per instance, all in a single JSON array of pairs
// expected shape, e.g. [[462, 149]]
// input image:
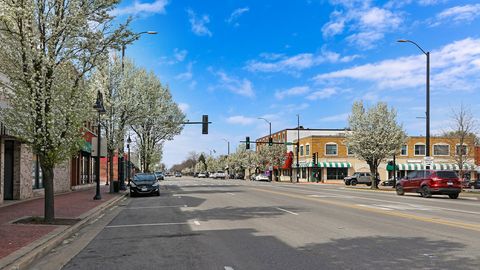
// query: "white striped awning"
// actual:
[[436, 166], [325, 165]]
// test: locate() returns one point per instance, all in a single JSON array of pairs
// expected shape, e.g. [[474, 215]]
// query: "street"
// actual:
[[235, 224]]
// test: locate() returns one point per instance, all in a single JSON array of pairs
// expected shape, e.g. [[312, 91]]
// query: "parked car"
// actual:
[[240, 176], [219, 174], [262, 177], [359, 178], [143, 184], [195, 174], [178, 174], [475, 184], [465, 183], [202, 175], [389, 182], [159, 175], [430, 182]]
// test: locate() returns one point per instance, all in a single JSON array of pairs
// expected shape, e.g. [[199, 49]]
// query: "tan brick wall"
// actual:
[[25, 164], [62, 177]]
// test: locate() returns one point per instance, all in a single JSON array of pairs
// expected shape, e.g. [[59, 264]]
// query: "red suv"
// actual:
[[429, 182]]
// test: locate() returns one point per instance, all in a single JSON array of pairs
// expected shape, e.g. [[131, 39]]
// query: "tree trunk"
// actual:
[[49, 208], [373, 174]]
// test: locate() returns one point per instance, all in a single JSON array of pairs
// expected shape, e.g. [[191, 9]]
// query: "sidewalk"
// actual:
[[15, 238]]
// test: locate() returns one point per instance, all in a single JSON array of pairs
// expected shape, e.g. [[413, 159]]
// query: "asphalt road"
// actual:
[[235, 224]]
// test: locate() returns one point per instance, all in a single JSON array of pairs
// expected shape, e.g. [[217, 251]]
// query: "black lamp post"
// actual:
[[427, 117], [100, 109], [129, 141], [269, 140]]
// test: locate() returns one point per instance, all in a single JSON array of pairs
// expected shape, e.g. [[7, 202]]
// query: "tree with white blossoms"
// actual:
[[47, 48], [245, 159], [212, 164], [375, 135], [162, 118], [273, 155]]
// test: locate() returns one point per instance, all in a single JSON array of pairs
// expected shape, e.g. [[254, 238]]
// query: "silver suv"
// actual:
[[358, 178]]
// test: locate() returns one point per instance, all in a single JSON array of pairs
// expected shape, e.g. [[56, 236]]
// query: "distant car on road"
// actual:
[[178, 174], [219, 175], [388, 183], [240, 176], [430, 182], [143, 184], [159, 175], [262, 177], [202, 175], [359, 178]]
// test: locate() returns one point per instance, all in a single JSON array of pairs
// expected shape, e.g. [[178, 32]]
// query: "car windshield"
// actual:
[[158, 173], [447, 174], [144, 177]]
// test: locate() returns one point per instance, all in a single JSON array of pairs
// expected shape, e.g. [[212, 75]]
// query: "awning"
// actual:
[[325, 165], [288, 161], [436, 166]]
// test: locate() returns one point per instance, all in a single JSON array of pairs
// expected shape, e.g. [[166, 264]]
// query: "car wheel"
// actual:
[[353, 182], [453, 196], [347, 183], [426, 192], [368, 184], [158, 193], [399, 190], [132, 194]]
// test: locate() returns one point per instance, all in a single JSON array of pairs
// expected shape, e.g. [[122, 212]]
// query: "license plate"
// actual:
[[449, 183], [144, 189]]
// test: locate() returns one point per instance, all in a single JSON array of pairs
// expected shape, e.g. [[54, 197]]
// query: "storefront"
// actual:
[[324, 171]]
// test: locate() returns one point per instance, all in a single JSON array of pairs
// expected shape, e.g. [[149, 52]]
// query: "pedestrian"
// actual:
[[317, 178]]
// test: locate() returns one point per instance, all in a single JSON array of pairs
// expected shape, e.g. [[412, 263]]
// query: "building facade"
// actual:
[[335, 160]]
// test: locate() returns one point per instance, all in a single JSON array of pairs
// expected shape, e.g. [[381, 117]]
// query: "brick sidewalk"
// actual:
[[68, 205]]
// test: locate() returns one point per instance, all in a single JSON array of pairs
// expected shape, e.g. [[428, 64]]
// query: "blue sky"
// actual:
[[240, 60]]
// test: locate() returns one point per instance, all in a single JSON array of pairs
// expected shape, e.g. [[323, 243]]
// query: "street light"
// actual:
[[100, 109], [270, 127], [129, 141], [120, 158], [427, 113], [298, 146], [228, 146]]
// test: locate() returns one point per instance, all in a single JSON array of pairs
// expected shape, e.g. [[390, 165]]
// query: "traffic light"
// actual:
[[247, 143], [270, 141], [314, 159], [205, 124]]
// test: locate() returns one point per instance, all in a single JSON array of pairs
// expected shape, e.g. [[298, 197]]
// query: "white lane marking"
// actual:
[[330, 196], [374, 207], [147, 225], [196, 222], [284, 210], [470, 198], [228, 268], [229, 193], [155, 207]]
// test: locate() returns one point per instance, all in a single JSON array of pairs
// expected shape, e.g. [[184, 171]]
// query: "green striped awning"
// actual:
[[436, 166], [325, 165]]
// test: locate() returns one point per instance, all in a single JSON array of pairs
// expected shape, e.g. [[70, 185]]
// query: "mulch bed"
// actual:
[[41, 221]]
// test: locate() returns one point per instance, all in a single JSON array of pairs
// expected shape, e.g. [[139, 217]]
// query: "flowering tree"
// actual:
[[46, 50], [375, 135], [245, 159], [273, 156]]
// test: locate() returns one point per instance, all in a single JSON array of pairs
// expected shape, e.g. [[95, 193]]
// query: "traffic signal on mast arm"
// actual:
[[205, 124], [314, 159], [247, 143], [270, 141]]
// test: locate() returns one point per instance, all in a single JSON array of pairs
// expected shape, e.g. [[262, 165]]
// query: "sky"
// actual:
[[237, 61]]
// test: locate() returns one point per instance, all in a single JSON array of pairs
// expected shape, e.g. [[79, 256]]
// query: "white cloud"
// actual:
[[243, 87], [180, 54], [454, 67], [294, 91], [184, 107], [186, 76], [295, 63], [236, 14], [459, 14], [198, 25], [157, 7], [366, 24], [240, 120], [322, 94]]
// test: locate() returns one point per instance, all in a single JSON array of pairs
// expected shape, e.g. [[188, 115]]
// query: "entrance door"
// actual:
[[8, 171]]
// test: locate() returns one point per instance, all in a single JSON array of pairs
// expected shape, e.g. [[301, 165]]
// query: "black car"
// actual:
[[159, 176], [239, 176], [389, 182], [475, 184], [144, 184]]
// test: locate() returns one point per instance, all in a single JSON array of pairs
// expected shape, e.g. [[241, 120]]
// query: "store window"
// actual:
[[307, 149], [301, 150], [350, 151], [331, 149], [336, 173], [404, 151], [37, 177], [441, 150], [419, 150]]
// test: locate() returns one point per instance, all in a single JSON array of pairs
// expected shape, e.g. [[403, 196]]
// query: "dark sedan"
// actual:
[[475, 184], [144, 184], [159, 176]]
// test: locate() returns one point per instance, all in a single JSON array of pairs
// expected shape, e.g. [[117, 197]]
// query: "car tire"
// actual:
[[132, 194], [368, 184], [347, 183], [426, 193], [353, 182], [158, 193], [399, 190], [453, 196]]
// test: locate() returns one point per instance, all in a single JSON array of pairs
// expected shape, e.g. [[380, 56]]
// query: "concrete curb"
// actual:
[[21, 259]]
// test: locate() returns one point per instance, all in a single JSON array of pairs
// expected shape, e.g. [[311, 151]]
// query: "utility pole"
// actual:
[[298, 146]]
